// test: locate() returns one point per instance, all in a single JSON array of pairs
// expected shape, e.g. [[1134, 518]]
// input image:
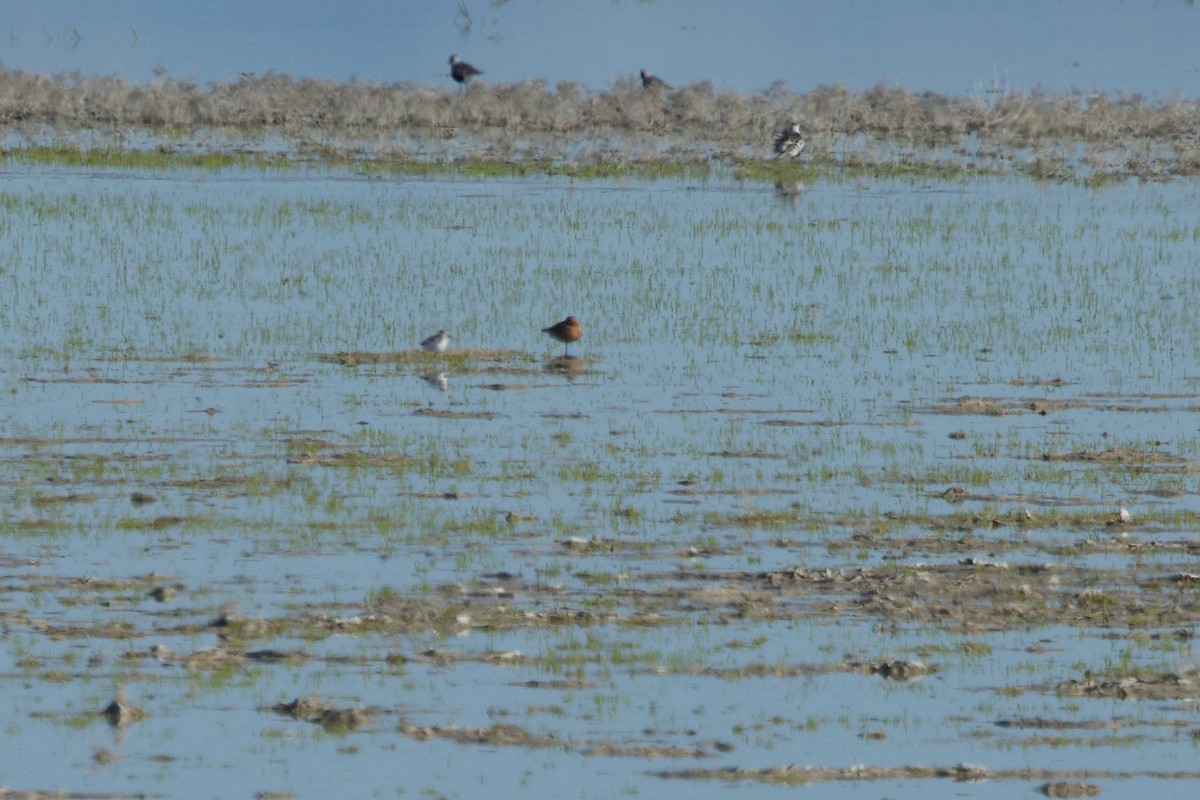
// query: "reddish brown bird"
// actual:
[[567, 331]]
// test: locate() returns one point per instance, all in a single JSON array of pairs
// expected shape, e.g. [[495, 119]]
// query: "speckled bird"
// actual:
[[790, 142]]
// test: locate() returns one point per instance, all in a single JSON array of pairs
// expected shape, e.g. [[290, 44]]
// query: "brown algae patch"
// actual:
[[49, 500], [972, 405], [888, 669], [794, 775], [441, 413], [120, 712], [744, 454], [1069, 789], [499, 735], [559, 685], [1122, 456], [611, 749], [327, 715], [1144, 685], [1043, 723], [457, 359], [991, 407], [352, 458], [230, 485]]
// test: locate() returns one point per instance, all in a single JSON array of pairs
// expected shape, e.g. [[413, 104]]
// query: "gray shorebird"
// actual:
[[437, 380], [653, 81], [461, 71], [567, 331], [790, 142], [436, 343]]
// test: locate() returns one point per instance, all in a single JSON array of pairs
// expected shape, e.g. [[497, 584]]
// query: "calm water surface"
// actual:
[[175, 333]]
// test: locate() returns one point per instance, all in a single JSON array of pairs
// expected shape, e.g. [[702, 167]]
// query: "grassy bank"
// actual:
[[1044, 133]]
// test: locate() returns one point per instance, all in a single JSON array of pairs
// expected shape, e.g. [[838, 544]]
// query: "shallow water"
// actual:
[[764, 383]]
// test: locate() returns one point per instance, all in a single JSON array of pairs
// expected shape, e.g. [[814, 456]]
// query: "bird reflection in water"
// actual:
[[437, 379], [789, 192]]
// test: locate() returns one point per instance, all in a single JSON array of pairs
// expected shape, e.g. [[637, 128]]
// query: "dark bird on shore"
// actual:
[[790, 142], [461, 71], [653, 81], [567, 331]]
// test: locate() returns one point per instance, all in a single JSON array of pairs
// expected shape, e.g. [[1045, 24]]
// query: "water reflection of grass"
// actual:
[[802, 437]]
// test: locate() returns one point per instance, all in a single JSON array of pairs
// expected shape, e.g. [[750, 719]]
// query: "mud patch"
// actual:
[[121, 712], [1069, 789], [500, 735], [327, 715], [456, 357], [793, 775], [1145, 686]]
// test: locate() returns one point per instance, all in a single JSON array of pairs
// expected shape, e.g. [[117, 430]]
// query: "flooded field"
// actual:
[[856, 485]]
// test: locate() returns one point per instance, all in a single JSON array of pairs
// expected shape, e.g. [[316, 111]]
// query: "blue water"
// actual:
[[961, 48], [695, 296]]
